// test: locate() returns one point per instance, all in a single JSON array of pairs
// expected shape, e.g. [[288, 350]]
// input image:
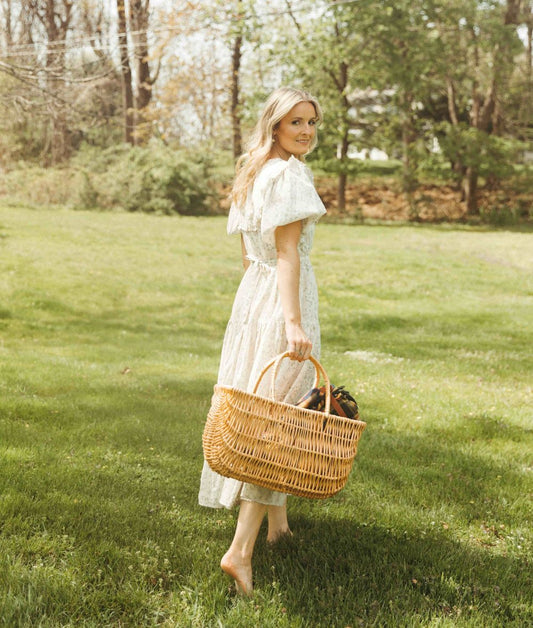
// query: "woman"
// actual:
[[275, 207]]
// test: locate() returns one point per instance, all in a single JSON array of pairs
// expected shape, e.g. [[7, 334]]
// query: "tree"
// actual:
[[146, 76], [55, 17], [360, 48], [417, 51], [125, 73], [327, 55], [484, 41], [133, 28], [57, 58], [235, 79], [402, 60], [521, 88], [206, 95]]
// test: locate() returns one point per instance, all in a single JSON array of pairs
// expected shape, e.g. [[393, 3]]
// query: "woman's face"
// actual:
[[295, 132]]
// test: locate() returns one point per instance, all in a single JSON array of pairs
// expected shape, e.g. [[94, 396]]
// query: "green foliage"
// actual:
[[27, 118], [21, 135], [523, 180], [354, 167], [389, 71], [110, 333], [488, 154], [330, 165], [28, 184], [500, 216], [152, 179]]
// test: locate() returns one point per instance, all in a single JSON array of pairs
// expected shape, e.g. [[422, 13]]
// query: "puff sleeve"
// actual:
[[289, 196]]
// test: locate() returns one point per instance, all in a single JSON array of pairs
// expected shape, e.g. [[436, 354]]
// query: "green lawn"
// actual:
[[110, 332]]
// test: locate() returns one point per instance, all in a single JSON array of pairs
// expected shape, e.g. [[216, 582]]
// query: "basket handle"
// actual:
[[319, 369]]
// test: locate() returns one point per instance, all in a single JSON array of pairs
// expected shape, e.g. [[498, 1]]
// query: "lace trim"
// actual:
[[271, 264]]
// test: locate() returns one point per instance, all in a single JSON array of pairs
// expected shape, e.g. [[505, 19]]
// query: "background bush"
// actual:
[[154, 179]]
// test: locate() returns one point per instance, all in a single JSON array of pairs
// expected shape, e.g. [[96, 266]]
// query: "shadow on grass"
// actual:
[[180, 320], [372, 555], [108, 491], [339, 573]]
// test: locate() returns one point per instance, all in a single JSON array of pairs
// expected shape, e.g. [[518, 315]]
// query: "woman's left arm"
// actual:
[[288, 269], [245, 260]]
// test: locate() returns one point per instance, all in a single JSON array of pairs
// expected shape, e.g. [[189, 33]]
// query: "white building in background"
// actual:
[[374, 154], [366, 104]]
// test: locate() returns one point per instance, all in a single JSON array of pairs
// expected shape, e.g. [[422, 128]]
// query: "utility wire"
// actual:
[[72, 44], [80, 43]]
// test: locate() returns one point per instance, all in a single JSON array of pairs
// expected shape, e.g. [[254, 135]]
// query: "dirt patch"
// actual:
[[384, 200], [430, 203]]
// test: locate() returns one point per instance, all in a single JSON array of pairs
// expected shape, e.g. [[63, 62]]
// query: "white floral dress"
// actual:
[[283, 192]]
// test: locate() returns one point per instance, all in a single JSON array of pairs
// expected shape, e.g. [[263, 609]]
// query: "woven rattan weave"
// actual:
[[270, 443]]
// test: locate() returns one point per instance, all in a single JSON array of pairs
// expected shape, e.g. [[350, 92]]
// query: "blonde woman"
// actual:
[[275, 207]]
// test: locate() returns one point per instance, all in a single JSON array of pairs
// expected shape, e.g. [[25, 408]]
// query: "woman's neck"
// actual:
[[280, 153]]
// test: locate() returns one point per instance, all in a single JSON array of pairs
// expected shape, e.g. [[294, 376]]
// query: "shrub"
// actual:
[[491, 155], [36, 186], [153, 179]]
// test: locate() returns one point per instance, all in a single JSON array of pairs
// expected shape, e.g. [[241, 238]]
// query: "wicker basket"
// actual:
[[277, 445]]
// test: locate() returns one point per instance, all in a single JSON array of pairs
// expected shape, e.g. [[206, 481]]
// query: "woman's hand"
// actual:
[[299, 345]]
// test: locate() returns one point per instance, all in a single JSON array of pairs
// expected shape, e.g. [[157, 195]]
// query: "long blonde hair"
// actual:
[[278, 105]]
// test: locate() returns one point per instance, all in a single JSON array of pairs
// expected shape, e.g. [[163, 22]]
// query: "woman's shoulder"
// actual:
[[277, 179], [291, 198], [281, 174], [276, 167]]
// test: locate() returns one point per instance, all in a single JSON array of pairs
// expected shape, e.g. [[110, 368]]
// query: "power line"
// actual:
[[73, 44], [94, 41]]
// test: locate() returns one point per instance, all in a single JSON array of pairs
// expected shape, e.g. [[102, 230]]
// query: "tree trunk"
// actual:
[[56, 18], [343, 177], [512, 12], [342, 85], [8, 32], [469, 183], [470, 190], [526, 105], [140, 18], [457, 165], [409, 181], [529, 60], [528, 100], [125, 72], [485, 114], [235, 109], [139, 23]]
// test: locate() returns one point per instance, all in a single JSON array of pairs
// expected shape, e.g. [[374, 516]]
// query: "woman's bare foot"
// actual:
[[240, 571], [278, 535]]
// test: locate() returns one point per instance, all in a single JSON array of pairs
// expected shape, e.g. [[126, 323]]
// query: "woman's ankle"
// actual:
[[275, 536]]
